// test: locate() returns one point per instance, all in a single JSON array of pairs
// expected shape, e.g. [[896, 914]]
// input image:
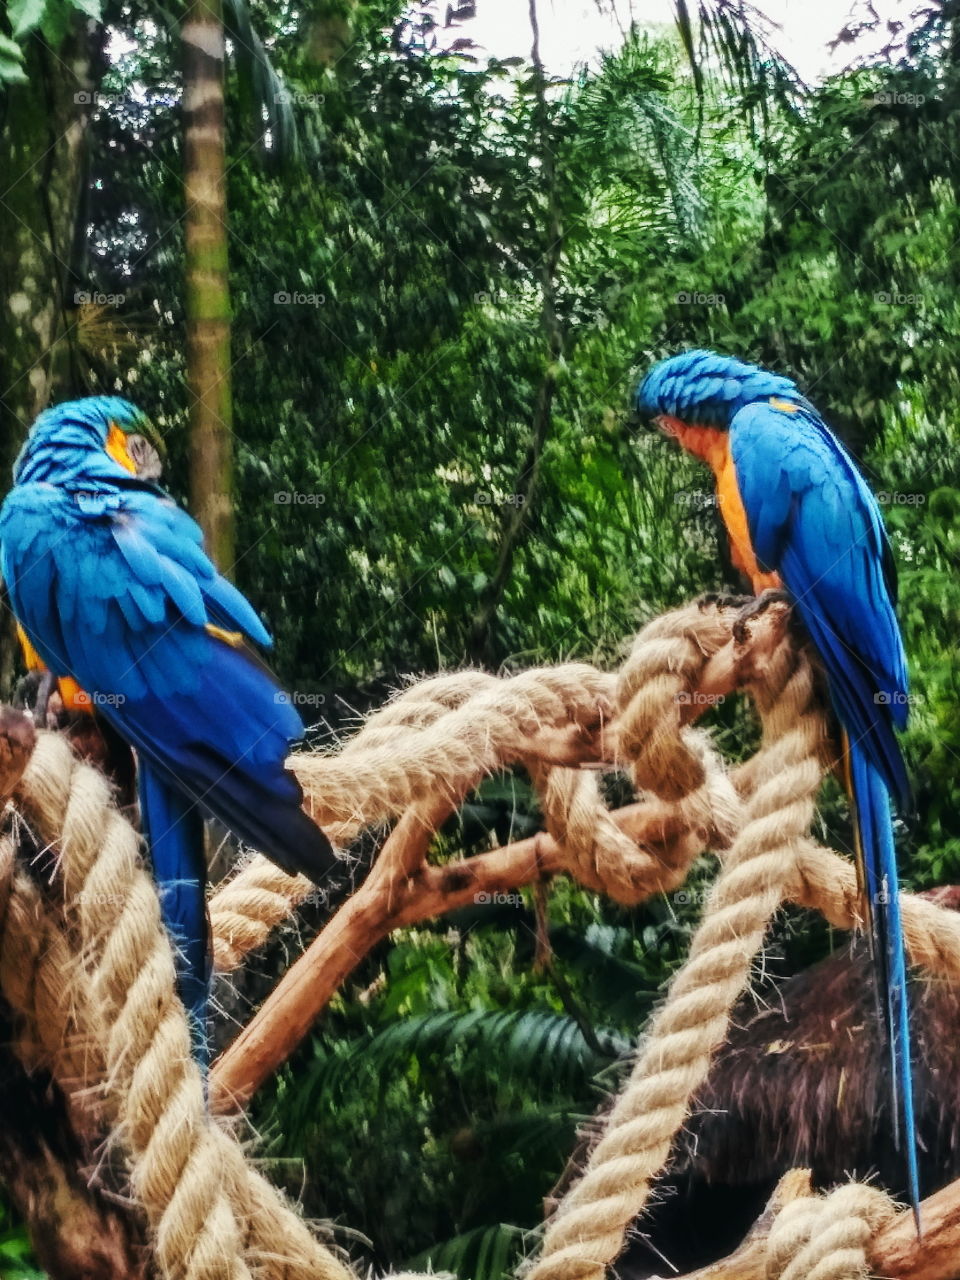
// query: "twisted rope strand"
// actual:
[[88, 968]]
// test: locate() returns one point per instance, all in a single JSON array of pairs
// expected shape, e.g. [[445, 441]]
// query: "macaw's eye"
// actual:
[[669, 426], [116, 447]]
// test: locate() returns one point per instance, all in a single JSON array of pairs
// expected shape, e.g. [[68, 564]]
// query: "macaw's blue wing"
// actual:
[[114, 589], [813, 520]]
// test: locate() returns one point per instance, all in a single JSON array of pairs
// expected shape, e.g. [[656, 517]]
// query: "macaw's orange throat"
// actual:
[[712, 446]]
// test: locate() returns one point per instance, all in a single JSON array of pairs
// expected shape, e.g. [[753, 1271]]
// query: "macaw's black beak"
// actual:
[[646, 421], [146, 457], [640, 419]]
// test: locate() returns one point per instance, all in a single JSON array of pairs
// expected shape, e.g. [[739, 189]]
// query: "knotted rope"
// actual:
[[87, 967], [775, 811], [827, 1237]]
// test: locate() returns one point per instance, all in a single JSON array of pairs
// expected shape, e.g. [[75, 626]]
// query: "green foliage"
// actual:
[[487, 1253], [389, 344], [23, 18], [16, 1254], [450, 1076]]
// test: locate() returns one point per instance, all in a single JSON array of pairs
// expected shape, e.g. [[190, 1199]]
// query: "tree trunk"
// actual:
[[75, 1230], [328, 29], [43, 136], [517, 519], [206, 284]]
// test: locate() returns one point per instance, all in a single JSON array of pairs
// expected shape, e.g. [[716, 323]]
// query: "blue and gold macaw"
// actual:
[[802, 520], [114, 595]]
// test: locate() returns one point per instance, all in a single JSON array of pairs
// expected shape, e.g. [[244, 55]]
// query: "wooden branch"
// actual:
[[402, 889], [306, 989], [896, 1253]]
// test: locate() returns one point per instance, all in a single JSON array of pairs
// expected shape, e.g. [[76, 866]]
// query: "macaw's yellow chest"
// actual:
[[712, 446]]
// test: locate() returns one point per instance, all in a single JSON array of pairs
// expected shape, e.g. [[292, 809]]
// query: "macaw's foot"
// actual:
[[754, 607], [721, 600], [45, 688]]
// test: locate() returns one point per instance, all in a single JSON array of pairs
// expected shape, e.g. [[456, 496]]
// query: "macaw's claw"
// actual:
[[45, 687], [721, 600], [754, 607]]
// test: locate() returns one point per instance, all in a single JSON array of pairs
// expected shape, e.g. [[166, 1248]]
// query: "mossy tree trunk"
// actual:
[[206, 283], [43, 132], [74, 1228], [517, 520]]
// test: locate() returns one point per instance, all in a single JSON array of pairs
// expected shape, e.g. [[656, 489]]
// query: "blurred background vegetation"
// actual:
[[447, 272]]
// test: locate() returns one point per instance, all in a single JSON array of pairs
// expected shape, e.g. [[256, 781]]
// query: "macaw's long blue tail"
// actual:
[[874, 830], [173, 826]]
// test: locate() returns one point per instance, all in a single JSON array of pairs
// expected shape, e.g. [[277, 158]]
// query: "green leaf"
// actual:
[[25, 16], [92, 8], [11, 62], [56, 21]]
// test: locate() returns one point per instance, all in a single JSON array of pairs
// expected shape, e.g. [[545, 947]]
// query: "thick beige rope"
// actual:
[[212, 1217], [117, 1023], [825, 881], [655, 693], [444, 735], [249, 905], [603, 857], [827, 1237], [588, 1229], [160, 1108], [448, 732]]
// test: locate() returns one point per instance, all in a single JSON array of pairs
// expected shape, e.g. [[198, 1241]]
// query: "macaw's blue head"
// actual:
[[703, 389], [82, 442]]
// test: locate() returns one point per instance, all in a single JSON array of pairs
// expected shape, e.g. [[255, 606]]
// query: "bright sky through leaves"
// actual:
[[572, 30]]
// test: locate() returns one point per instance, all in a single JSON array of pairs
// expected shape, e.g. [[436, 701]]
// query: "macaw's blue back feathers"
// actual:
[[115, 590], [110, 582], [173, 827], [813, 520]]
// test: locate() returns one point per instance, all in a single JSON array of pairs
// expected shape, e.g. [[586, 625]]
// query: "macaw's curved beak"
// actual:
[[146, 457], [667, 426], [116, 447], [640, 418], [649, 420]]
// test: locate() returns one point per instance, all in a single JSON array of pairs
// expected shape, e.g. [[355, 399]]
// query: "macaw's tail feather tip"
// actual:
[[288, 836], [875, 846], [173, 825]]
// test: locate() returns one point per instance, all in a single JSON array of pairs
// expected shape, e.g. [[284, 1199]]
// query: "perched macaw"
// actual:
[[801, 520], [114, 594]]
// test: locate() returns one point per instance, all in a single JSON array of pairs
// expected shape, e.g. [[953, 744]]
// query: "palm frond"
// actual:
[[736, 40], [486, 1253], [543, 1048], [261, 89], [624, 114]]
